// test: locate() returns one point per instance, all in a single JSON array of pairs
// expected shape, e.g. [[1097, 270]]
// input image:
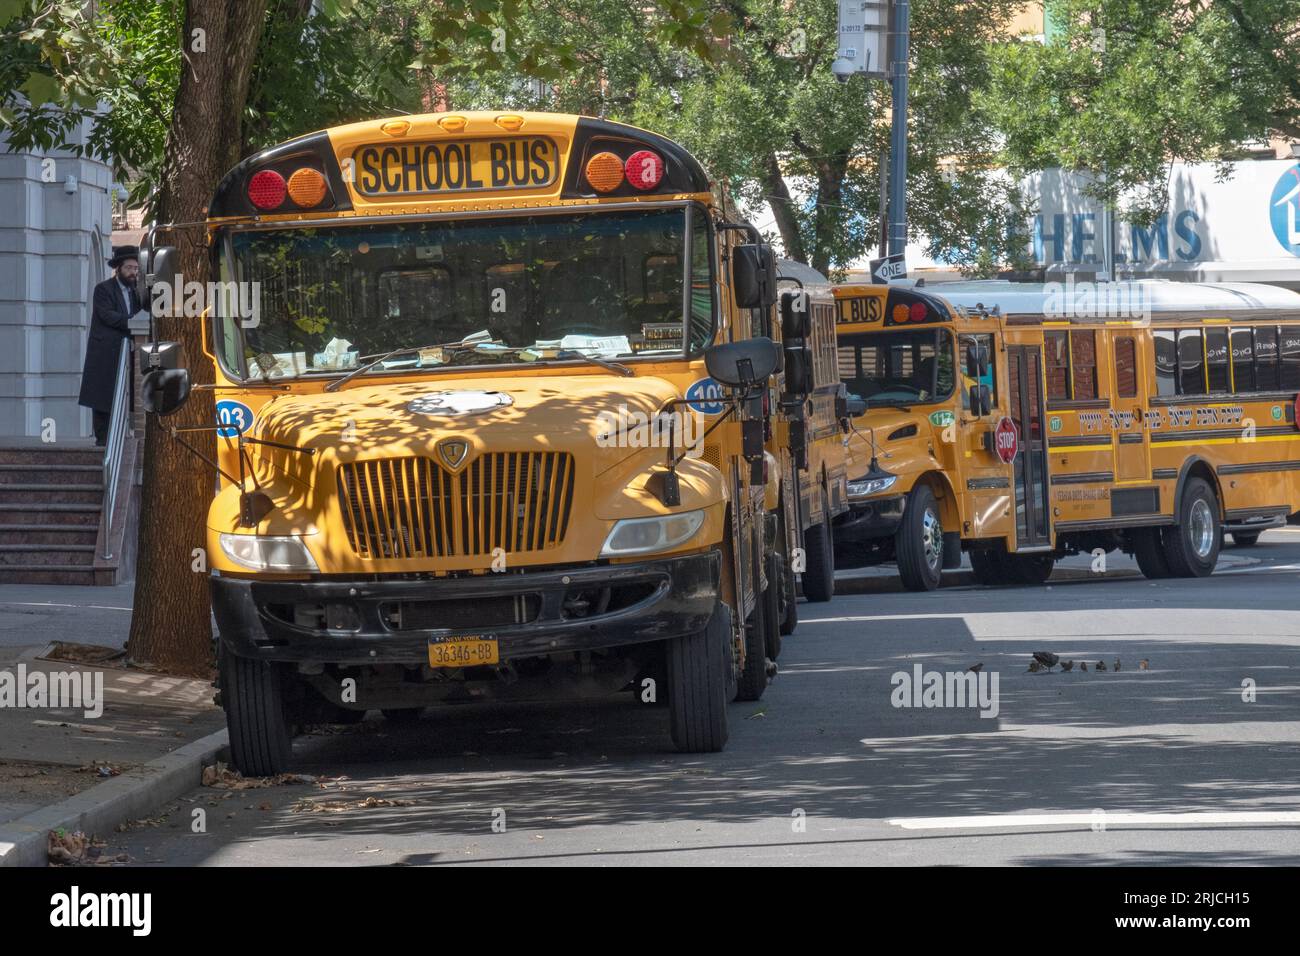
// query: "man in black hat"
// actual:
[[114, 303]]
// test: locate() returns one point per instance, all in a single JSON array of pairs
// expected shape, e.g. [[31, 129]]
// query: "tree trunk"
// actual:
[[778, 199], [171, 623], [830, 196]]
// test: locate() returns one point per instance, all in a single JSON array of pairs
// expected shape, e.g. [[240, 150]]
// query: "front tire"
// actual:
[[1191, 545], [819, 572], [789, 592], [753, 676], [776, 594], [252, 694], [918, 543], [700, 685]]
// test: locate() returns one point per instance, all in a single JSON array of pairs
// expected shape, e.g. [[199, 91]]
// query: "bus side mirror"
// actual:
[[981, 401], [747, 276], [743, 364], [977, 361], [796, 315], [857, 406], [798, 370], [159, 268], [164, 390]]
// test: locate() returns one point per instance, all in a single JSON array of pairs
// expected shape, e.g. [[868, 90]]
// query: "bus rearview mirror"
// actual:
[[981, 401], [165, 390], [743, 364]]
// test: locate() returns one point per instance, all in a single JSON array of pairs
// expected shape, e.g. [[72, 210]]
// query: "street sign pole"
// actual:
[[898, 134]]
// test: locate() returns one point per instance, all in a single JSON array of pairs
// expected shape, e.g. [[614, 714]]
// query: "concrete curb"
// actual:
[[99, 810]]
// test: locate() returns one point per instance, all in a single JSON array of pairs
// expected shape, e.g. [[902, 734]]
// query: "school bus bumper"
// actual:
[[872, 517], [367, 621]]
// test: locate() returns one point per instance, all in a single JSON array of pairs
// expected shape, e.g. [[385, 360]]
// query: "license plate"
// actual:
[[463, 651], [405, 169]]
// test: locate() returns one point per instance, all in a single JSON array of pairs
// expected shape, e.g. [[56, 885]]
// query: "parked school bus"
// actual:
[[502, 430], [1026, 422], [811, 438]]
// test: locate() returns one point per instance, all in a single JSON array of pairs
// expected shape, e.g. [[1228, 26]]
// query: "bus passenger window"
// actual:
[[1058, 365], [1266, 359], [1166, 362], [1216, 359], [1083, 364], [1243, 361], [1126, 381], [1191, 363], [1290, 358]]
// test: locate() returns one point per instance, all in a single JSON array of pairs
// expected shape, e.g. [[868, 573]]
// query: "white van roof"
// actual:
[[1139, 296]]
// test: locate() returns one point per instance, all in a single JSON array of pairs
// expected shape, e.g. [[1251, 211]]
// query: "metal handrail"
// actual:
[[117, 426]]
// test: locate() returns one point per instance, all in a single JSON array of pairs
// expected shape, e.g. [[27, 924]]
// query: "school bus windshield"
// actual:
[[472, 291], [902, 367]]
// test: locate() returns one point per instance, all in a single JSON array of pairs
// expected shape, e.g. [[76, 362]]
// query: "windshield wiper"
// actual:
[[362, 369], [568, 354]]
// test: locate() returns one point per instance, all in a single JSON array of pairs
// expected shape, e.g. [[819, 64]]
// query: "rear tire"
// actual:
[[1029, 569], [252, 694], [988, 567], [1150, 553], [776, 594], [1191, 545], [819, 572], [1242, 539], [700, 685], [402, 715], [918, 543]]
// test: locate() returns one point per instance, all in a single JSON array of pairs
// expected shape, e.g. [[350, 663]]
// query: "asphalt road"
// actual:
[[1075, 768]]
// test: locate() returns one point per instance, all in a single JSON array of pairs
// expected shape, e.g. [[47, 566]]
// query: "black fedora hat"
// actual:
[[122, 253]]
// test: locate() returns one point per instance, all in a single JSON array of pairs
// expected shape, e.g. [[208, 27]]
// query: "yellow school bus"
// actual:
[[499, 431], [810, 443], [1026, 422]]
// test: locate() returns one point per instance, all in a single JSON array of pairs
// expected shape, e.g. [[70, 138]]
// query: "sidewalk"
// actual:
[[48, 755]]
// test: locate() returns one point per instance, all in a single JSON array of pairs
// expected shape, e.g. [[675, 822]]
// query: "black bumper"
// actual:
[[672, 597], [873, 518]]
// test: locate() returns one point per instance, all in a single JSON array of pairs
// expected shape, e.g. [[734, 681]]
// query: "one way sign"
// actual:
[[890, 267]]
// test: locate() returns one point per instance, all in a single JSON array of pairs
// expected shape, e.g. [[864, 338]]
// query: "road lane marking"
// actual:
[[992, 820]]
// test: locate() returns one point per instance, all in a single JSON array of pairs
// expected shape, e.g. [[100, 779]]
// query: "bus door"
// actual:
[[1132, 450], [1025, 394]]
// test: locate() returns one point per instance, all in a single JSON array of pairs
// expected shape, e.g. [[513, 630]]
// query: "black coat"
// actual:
[[108, 327]]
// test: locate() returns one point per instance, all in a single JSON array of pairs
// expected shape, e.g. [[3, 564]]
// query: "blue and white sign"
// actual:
[[706, 397], [237, 416], [1284, 210]]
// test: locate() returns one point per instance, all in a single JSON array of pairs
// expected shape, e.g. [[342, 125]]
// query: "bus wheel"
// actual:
[[819, 570], [987, 566], [252, 694], [699, 688], [775, 596], [1029, 568], [919, 542], [1192, 545], [789, 593], [753, 677], [402, 715], [1243, 540], [1150, 553]]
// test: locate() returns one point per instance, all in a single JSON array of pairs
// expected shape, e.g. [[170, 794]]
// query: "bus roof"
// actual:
[[1084, 300]]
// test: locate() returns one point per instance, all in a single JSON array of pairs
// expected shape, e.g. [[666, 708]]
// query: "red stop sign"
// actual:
[[1006, 440]]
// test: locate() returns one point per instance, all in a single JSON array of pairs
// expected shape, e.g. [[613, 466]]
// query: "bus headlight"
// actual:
[[866, 487], [265, 553], [648, 535]]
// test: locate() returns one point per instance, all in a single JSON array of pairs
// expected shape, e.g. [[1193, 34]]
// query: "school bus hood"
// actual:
[[505, 413]]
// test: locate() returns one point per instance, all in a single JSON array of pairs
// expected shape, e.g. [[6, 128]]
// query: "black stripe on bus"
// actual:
[[1130, 438], [1164, 474], [1245, 514], [1203, 433], [1083, 478], [1102, 524], [984, 484], [1260, 466], [1134, 501], [1072, 440]]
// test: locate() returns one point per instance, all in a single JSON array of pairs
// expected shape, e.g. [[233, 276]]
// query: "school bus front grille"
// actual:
[[414, 508]]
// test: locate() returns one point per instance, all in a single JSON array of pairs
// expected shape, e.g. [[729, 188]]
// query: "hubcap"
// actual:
[[932, 538], [1201, 528]]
